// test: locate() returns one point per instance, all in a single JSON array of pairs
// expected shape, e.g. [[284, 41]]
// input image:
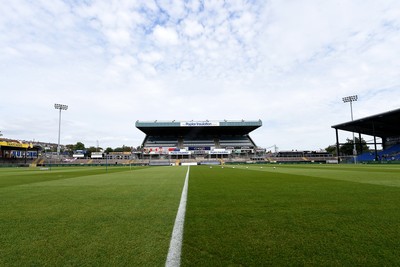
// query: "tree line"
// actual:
[[346, 149], [80, 146]]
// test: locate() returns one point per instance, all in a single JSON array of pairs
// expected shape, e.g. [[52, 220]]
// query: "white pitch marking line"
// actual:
[[175, 246]]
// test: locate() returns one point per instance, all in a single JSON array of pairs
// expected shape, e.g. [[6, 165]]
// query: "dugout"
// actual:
[[384, 125]]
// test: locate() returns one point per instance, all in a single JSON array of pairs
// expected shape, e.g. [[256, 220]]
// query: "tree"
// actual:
[[126, 148], [108, 150], [123, 149], [91, 149], [70, 149], [347, 148], [331, 150], [79, 146]]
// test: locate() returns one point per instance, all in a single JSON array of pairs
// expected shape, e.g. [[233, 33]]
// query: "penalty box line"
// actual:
[[175, 245]]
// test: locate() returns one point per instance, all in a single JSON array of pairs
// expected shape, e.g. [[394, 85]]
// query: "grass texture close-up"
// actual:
[[293, 215], [87, 217], [244, 215]]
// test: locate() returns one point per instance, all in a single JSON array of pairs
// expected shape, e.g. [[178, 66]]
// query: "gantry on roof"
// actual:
[[381, 125]]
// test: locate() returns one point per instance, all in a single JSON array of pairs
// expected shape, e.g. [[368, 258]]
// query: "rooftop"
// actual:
[[207, 127], [380, 125]]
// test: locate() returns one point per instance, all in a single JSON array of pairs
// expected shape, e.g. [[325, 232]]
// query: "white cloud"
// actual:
[[288, 63], [174, 9], [165, 36], [151, 57], [118, 37], [192, 28]]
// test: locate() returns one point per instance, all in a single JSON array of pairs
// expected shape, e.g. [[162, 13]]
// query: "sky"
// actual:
[[286, 62]]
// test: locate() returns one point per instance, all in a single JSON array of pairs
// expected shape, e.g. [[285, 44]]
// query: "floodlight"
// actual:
[[351, 99], [59, 107]]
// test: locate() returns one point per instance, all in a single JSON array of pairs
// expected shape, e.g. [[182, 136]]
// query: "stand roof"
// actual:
[[185, 128], [381, 125]]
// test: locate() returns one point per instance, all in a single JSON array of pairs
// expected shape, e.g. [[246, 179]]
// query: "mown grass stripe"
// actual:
[[25, 176], [175, 246]]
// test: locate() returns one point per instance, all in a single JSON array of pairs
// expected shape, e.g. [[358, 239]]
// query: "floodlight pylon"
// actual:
[[351, 99], [59, 107]]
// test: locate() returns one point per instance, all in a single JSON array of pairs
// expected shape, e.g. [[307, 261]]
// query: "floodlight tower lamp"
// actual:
[[59, 107], [352, 99]]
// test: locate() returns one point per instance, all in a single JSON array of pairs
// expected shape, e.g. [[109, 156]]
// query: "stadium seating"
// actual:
[[235, 141], [389, 154], [300, 156], [198, 141], [158, 141]]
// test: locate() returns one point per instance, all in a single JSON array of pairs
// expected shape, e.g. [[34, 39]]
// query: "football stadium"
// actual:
[[169, 143], [202, 193]]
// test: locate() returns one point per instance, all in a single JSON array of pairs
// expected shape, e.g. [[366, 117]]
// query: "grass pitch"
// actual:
[[250, 215], [87, 217], [293, 215]]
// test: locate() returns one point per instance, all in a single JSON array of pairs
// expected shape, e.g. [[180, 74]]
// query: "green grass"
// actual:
[[293, 215], [20, 176], [87, 217], [250, 215]]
